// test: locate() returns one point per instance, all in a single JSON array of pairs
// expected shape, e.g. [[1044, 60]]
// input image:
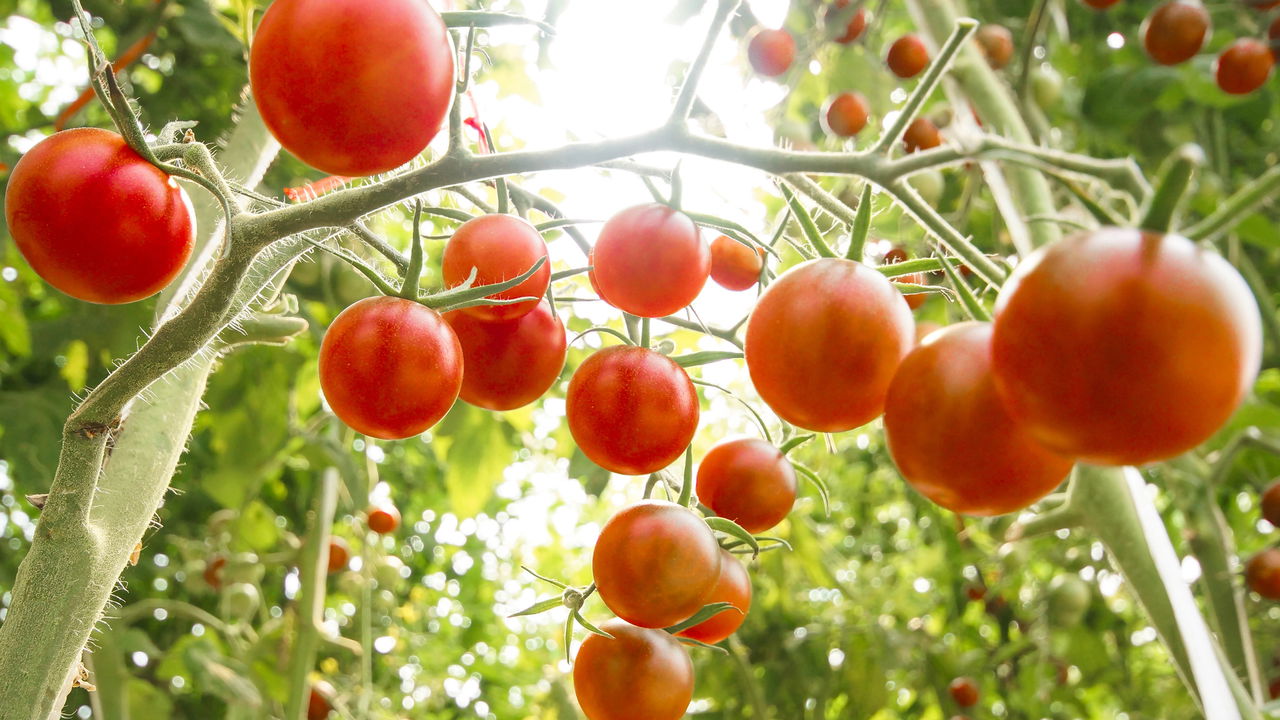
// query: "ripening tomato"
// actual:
[[213, 572], [499, 247], [735, 266], [1262, 573], [824, 341], [1244, 66], [347, 102], [907, 56], [1175, 31], [96, 220], [631, 410], [650, 260], [318, 707], [964, 691], [506, 365], [1273, 36], [749, 482], [639, 674], [734, 586], [339, 554], [921, 134], [950, 436], [845, 114], [914, 300], [996, 43], [1123, 347], [591, 275], [771, 52], [856, 26], [389, 367], [655, 563], [1271, 504], [1100, 4], [383, 519]]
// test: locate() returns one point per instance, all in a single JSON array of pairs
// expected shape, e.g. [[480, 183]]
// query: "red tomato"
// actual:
[[213, 572], [499, 248], [857, 24], [996, 43], [1262, 573], [846, 114], [96, 220], [352, 87], [748, 481], [318, 707], [735, 266], [339, 554], [655, 563], [914, 300], [591, 275], [921, 134], [1273, 36], [1100, 4], [638, 675], [383, 519], [734, 586], [950, 436], [1123, 347], [771, 52], [1273, 688], [1271, 504], [907, 56], [1244, 66], [824, 341], [964, 691], [1175, 31], [509, 364], [389, 367], [631, 410], [650, 260]]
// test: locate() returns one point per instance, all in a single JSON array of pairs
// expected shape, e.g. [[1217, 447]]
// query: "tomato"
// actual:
[[930, 184], [240, 601], [949, 433], [1123, 347], [631, 410], [914, 300], [639, 674], [857, 24], [1262, 573], [907, 56], [975, 592], [339, 554], [655, 563], [96, 220], [650, 260], [1069, 598], [824, 341], [1271, 504], [996, 43], [1046, 85], [921, 134], [509, 364], [1244, 66], [213, 572], [735, 266], [591, 275], [318, 707], [383, 519], [1175, 31], [346, 102], [748, 481], [845, 114], [734, 586], [895, 255], [771, 52], [1273, 688], [1273, 36], [1100, 4], [499, 247], [964, 691], [389, 367]]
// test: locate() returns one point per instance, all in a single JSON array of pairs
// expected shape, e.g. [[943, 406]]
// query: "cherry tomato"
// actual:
[[964, 691], [856, 26], [1046, 85], [1100, 4], [1175, 31], [824, 341], [1273, 36], [734, 586], [749, 482], [638, 674], [846, 114], [655, 563], [771, 52], [509, 364], [1273, 688], [914, 300], [1271, 504], [339, 554], [907, 56], [352, 103], [650, 260], [318, 707], [921, 134], [96, 220], [996, 43], [213, 572], [631, 410], [1123, 347], [1262, 573], [1068, 600], [389, 367], [735, 266], [1244, 66], [500, 248], [383, 519]]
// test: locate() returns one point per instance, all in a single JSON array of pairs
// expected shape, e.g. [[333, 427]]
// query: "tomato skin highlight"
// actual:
[[950, 436], [846, 114], [1123, 347], [749, 482], [631, 410], [500, 247], [1262, 573], [1244, 66], [650, 260], [824, 341], [655, 563], [735, 266], [733, 586], [1175, 31], [907, 56], [389, 367], [509, 364], [771, 52], [97, 221], [347, 102], [640, 674]]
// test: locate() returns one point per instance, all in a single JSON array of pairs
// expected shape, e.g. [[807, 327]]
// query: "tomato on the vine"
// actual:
[[509, 364], [735, 266], [318, 707], [650, 260], [1100, 4], [845, 114], [734, 587], [856, 25], [964, 691], [1175, 31], [921, 134], [749, 482], [499, 247], [1270, 504], [389, 367], [1244, 66], [383, 519], [896, 255], [213, 572], [635, 674], [655, 563], [907, 56], [996, 43], [771, 52], [339, 554], [1262, 573], [96, 220]]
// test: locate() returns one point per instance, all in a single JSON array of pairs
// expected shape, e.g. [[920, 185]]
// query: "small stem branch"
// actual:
[[946, 234], [1175, 180], [689, 90], [964, 27], [1028, 46], [1237, 207]]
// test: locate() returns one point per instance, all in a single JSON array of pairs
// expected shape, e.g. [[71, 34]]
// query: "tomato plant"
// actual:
[[509, 364], [498, 247], [733, 586], [748, 481], [636, 673], [650, 260]]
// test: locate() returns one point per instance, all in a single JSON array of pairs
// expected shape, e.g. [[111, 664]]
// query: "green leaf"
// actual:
[[540, 607], [594, 478], [257, 527], [705, 357], [707, 612], [478, 453], [734, 530]]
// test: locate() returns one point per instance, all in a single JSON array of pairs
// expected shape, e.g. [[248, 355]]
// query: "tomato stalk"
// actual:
[[1175, 180], [972, 306], [805, 220], [409, 289], [861, 226], [1236, 208], [961, 29], [689, 89]]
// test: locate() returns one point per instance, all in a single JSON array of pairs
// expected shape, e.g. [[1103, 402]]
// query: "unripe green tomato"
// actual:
[[240, 601], [243, 568], [387, 572], [347, 284], [930, 184], [1069, 598], [1046, 85]]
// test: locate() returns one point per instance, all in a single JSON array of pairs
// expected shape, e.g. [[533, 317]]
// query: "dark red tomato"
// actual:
[[964, 691], [509, 364], [996, 43], [1273, 36], [735, 266], [1122, 347], [213, 572], [383, 519], [1175, 31], [950, 436], [824, 341], [771, 52], [650, 260], [640, 674], [1244, 66], [895, 255], [1262, 573], [921, 134], [655, 563], [318, 707], [914, 300], [389, 367], [339, 554], [846, 114], [734, 586], [975, 592], [631, 410], [856, 26], [346, 102], [96, 220], [748, 481], [1271, 504], [907, 56], [1100, 4], [1273, 688], [499, 248]]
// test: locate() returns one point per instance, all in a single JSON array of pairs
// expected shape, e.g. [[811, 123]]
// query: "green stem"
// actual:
[[1236, 208], [861, 226], [686, 487], [689, 90], [313, 571], [644, 332], [1175, 180], [409, 290], [961, 29]]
